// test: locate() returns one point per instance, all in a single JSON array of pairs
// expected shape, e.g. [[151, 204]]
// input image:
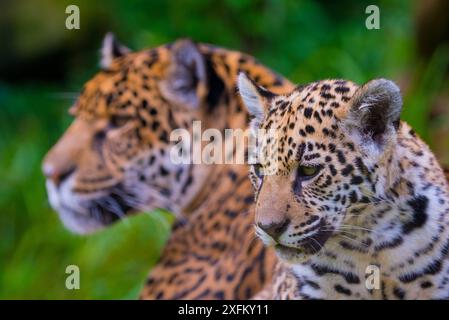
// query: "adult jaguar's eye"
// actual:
[[118, 121], [307, 172]]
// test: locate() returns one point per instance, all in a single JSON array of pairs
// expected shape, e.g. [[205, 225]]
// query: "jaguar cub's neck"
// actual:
[[397, 245]]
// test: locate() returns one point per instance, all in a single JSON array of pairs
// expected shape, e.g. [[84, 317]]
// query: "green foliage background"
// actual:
[[43, 65]]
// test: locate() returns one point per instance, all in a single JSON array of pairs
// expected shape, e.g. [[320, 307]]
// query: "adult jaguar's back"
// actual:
[[115, 159]]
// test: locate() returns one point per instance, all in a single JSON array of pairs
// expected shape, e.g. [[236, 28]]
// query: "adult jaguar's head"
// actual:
[[115, 157], [330, 152]]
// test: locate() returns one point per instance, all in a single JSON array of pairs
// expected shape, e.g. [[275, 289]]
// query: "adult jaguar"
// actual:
[[353, 201], [114, 160]]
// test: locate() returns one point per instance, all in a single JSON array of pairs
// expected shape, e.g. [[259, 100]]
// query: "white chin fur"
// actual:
[[291, 255], [73, 216]]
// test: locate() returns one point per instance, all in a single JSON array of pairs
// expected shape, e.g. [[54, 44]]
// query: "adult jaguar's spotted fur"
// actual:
[[352, 190], [115, 159]]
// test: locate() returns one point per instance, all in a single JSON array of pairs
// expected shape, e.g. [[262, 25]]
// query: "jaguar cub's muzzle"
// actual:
[[295, 243]]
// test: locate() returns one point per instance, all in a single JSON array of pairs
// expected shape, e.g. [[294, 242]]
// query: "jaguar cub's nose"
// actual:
[[275, 229]]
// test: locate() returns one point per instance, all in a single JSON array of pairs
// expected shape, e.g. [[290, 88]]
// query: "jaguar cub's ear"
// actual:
[[374, 114], [110, 50], [255, 98], [186, 81]]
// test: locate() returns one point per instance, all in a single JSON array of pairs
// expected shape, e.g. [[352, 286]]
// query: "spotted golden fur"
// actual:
[[115, 160]]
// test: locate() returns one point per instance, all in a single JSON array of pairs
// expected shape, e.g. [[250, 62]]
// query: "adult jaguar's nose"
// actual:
[[56, 174], [275, 229], [62, 159]]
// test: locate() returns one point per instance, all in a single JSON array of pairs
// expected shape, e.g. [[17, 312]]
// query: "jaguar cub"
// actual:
[[353, 201]]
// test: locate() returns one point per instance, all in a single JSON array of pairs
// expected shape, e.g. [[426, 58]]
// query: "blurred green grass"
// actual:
[[304, 40]]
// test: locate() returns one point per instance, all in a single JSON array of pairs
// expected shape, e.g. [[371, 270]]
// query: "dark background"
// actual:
[[43, 66]]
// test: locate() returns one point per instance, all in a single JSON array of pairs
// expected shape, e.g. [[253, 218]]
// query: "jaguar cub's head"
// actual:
[[331, 141], [115, 157]]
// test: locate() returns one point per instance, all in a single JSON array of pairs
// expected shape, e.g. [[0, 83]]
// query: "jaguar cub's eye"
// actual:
[[258, 170], [307, 172]]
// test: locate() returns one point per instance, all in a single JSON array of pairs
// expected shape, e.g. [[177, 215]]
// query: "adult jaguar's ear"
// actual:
[[255, 98], [373, 118], [186, 80], [110, 50]]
